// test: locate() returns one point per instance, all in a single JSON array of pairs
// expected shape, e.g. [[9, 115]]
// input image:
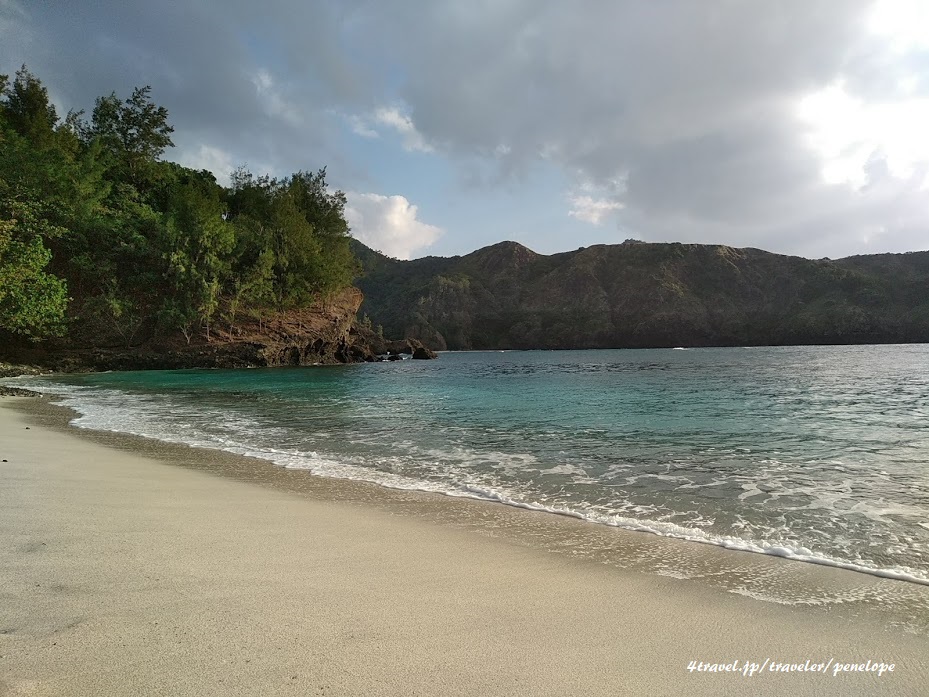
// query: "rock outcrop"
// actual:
[[383, 349], [327, 333]]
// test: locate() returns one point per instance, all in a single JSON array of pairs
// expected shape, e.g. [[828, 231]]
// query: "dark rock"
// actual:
[[421, 353], [10, 370], [17, 392]]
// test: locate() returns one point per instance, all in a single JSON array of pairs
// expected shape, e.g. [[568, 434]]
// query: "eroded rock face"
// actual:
[[322, 334], [383, 349], [421, 352], [410, 347]]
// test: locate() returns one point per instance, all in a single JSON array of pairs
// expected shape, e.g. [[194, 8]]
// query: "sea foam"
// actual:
[[115, 411]]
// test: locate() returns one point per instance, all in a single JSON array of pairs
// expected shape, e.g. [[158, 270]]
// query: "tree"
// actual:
[[32, 302], [253, 286], [146, 246], [120, 310], [323, 209], [301, 223], [333, 265], [26, 107], [294, 247], [199, 245], [135, 132]]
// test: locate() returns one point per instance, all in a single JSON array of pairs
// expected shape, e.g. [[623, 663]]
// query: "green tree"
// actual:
[[27, 109], [199, 245], [294, 247], [253, 286], [302, 225], [32, 302], [147, 246], [135, 132], [333, 266]]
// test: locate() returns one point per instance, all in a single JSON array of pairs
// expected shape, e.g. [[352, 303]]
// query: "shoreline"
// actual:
[[508, 578], [611, 544], [798, 582]]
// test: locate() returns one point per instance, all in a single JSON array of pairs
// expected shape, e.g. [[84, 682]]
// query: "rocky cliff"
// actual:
[[326, 333], [645, 295]]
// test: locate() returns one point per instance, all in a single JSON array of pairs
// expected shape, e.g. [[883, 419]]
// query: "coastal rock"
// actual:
[[10, 370], [324, 334], [17, 392], [410, 347], [420, 352]]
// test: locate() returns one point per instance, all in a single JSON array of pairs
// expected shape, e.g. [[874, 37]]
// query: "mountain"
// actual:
[[639, 295]]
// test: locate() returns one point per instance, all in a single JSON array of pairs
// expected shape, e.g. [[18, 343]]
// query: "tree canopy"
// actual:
[[100, 237]]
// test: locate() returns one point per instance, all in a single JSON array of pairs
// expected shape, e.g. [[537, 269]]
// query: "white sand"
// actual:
[[120, 575]]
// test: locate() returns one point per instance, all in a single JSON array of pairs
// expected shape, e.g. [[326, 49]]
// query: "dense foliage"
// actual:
[[100, 238], [646, 295]]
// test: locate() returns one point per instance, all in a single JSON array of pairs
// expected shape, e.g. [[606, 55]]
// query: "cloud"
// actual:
[[388, 224], [259, 82], [848, 134], [394, 119], [695, 106], [11, 14], [791, 126], [403, 124], [592, 210], [360, 127], [273, 99], [902, 22], [17, 38], [215, 160]]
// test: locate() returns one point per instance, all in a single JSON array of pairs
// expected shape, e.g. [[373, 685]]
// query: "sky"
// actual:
[[797, 126]]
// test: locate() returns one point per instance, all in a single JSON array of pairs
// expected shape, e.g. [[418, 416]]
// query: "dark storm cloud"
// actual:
[[682, 112], [257, 80]]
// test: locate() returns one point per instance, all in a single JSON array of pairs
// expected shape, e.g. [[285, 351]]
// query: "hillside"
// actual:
[[113, 258], [645, 295]]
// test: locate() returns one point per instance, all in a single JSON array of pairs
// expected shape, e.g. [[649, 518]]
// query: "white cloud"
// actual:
[[273, 99], [388, 224], [360, 127], [216, 160], [593, 202], [592, 210], [849, 134], [394, 118], [904, 23]]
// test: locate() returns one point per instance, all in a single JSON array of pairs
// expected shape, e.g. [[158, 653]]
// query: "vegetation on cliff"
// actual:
[[645, 295], [105, 246], [104, 243]]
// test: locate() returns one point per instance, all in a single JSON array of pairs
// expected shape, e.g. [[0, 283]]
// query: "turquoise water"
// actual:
[[813, 453]]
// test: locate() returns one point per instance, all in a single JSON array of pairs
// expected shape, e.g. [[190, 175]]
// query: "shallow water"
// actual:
[[813, 453]]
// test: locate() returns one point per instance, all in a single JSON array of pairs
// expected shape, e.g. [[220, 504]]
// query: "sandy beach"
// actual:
[[121, 573]]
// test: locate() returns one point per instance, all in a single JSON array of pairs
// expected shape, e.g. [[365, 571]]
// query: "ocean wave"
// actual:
[[106, 409]]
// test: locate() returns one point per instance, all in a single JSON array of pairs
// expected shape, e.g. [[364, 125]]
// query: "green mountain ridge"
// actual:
[[639, 295]]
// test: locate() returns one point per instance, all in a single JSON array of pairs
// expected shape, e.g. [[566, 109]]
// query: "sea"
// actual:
[[818, 454]]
